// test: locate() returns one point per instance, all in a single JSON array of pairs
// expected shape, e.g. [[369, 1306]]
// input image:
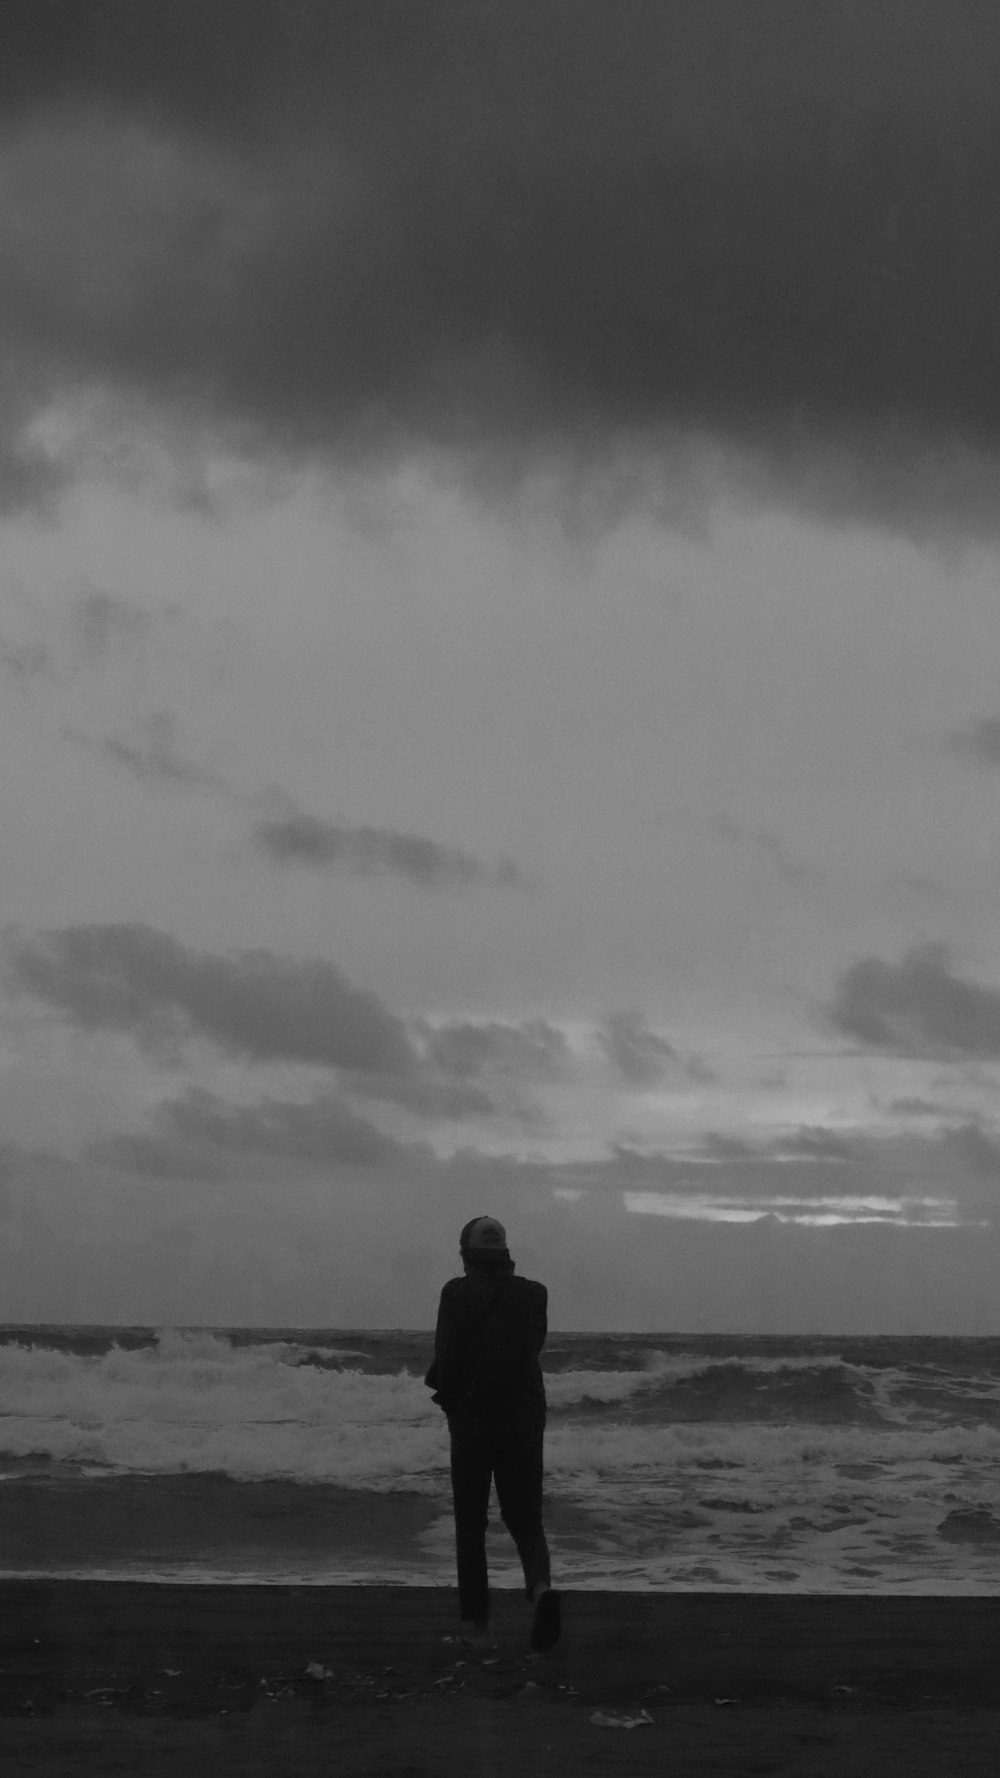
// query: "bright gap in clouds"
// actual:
[[824, 1212]]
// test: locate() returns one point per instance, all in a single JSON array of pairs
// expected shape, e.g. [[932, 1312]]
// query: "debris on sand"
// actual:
[[620, 1719]]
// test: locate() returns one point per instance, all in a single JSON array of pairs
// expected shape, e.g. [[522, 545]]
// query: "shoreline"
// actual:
[[204, 1527], [364, 1581], [100, 1675]]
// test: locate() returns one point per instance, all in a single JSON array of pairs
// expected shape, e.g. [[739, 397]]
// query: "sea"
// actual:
[[673, 1462]]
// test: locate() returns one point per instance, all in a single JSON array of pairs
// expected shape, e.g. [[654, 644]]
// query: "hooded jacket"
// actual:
[[491, 1327]]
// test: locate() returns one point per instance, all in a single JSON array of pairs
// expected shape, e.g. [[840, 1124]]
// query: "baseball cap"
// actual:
[[483, 1239]]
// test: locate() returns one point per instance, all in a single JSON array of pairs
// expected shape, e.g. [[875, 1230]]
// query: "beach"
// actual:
[[233, 1553], [110, 1676]]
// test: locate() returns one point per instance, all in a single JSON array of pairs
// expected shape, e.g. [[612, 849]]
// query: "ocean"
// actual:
[[696, 1463]]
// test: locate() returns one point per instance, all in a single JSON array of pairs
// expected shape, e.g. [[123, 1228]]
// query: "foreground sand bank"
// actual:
[[102, 1676]]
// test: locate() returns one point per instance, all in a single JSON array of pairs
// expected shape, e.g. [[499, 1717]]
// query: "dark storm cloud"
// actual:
[[532, 1051], [557, 224], [300, 839], [918, 1007], [980, 740], [133, 979], [641, 1057]]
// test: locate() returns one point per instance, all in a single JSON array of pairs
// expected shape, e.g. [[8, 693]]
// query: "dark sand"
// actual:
[[105, 1677]]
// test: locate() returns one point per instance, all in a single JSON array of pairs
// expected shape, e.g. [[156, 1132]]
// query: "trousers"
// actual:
[[506, 1448]]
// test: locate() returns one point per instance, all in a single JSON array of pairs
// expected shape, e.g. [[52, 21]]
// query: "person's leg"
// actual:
[[518, 1468], [471, 1470]]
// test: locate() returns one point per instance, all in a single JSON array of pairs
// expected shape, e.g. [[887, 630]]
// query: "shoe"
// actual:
[[475, 1635], [547, 1622]]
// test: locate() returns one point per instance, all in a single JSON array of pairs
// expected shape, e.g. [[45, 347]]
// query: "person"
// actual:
[[491, 1327]]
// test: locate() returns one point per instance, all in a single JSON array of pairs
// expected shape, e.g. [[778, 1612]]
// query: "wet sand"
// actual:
[[100, 1677]]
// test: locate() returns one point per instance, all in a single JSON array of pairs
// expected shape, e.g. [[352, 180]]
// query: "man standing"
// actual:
[[491, 1326]]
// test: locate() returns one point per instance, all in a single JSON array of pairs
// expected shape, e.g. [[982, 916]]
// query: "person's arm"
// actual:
[[442, 1329], [540, 1319], [447, 1351]]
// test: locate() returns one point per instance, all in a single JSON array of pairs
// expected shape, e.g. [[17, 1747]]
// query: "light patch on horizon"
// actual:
[[819, 1212]]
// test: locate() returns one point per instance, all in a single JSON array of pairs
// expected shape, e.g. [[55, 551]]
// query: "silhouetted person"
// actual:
[[491, 1326]]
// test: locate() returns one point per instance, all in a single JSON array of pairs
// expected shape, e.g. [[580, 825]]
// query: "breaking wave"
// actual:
[[182, 1402]]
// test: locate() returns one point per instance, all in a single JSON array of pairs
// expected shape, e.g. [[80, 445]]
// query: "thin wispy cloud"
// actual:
[[152, 755], [25, 661], [979, 740], [298, 839], [919, 884], [89, 630], [766, 841], [99, 619]]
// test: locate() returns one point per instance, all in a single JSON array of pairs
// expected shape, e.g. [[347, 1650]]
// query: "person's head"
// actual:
[[483, 1246]]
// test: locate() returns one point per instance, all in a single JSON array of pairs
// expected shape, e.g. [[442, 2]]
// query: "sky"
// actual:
[[500, 660]]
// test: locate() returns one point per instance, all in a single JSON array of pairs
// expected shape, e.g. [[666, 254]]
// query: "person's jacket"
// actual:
[[491, 1328]]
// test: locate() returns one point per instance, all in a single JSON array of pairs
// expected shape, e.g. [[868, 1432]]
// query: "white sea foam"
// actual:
[[194, 1402], [197, 1402]]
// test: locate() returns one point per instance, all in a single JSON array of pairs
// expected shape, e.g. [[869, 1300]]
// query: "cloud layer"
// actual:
[[252, 1004], [542, 227], [318, 1132]]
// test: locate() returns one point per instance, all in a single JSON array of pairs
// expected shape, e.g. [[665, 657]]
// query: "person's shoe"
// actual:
[[475, 1635], [547, 1621]]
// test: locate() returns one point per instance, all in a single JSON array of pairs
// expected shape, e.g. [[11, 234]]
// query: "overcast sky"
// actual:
[[500, 659]]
